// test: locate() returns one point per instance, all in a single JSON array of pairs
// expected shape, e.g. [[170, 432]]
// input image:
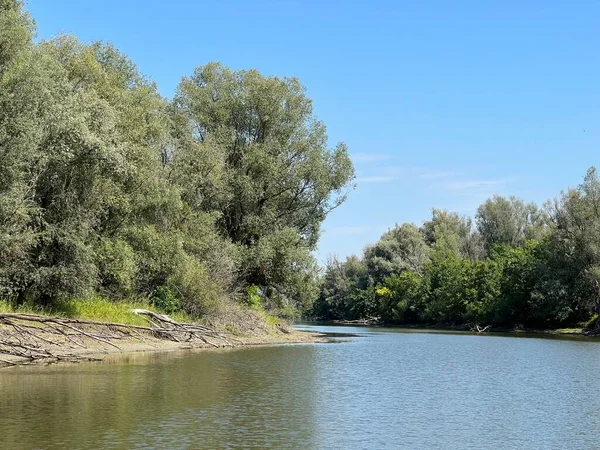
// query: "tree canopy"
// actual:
[[517, 266], [110, 189]]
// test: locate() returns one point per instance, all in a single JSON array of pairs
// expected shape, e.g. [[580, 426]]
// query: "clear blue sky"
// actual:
[[442, 103]]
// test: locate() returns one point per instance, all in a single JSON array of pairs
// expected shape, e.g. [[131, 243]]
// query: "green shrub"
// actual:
[[199, 293], [165, 300], [100, 309], [253, 297], [592, 323], [117, 268]]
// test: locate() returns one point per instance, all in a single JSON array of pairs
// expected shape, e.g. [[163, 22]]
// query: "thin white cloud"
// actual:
[[354, 230], [437, 179], [369, 157], [461, 185], [390, 173], [436, 175], [422, 173], [376, 179]]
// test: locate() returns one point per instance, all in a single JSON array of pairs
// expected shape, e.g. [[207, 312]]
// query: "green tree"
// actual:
[[509, 221], [19, 133], [568, 286], [403, 297], [520, 267], [339, 282], [401, 248], [16, 29], [453, 232], [265, 168]]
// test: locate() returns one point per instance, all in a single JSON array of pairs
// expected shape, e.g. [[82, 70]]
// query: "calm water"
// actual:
[[385, 389]]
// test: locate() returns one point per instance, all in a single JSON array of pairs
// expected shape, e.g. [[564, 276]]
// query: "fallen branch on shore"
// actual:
[[365, 321], [479, 329], [591, 332], [36, 338], [162, 326]]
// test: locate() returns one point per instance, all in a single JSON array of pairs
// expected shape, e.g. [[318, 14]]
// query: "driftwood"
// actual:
[[163, 327], [477, 328], [35, 338], [591, 332], [366, 321]]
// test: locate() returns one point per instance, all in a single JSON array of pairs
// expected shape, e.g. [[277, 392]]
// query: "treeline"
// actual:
[[515, 265], [109, 189]]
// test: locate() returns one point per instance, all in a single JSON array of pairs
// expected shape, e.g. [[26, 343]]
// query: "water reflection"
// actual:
[[229, 399], [385, 390]]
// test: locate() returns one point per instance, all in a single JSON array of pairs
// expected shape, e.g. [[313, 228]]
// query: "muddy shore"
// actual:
[[78, 347]]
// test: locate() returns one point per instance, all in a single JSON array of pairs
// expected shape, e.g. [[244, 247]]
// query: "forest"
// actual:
[[110, 190], [516, 265]]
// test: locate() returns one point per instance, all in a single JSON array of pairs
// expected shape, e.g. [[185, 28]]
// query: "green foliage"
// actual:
[[541, 267], [450, 231], [401, 301], [338, 283], [109, 189], [520, 268], [401, 248], [364, 303], [453, 292], [16, 30], [200, 294], [250, 149], [253, 297], [116, 266], [165, 300], [94, 308], [509, 221]]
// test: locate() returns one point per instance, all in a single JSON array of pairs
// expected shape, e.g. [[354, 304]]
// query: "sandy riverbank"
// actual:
[[138, 348], [99, 341]]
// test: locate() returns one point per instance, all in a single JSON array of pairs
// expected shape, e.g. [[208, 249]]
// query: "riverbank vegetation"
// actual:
[[97, 308], [516, 265], [211, 199]]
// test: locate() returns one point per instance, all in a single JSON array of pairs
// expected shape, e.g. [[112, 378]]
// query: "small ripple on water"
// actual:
[[384, 390]]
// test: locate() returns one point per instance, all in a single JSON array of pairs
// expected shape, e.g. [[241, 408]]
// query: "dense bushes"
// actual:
[[109, 189], [519, 266]]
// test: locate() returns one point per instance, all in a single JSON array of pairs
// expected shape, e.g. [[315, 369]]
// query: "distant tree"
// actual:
[[508, 221], [454, 232], [569, 285], [402, 298], [401, 248], [339, 282], [539, 268], [520, 272]]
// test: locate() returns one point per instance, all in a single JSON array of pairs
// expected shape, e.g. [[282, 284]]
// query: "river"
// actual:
[[384, 389]]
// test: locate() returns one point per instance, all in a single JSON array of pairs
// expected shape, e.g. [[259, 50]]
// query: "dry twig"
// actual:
[[38, 338]]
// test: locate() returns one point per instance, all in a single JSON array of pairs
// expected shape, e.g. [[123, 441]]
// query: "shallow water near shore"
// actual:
[[385, 388]]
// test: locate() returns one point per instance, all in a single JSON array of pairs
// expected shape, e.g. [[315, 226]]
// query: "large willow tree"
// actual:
[[107, 188], [264, 167]]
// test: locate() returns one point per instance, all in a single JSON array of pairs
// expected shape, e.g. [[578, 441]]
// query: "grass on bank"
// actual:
[[98, 309], [568, 330]]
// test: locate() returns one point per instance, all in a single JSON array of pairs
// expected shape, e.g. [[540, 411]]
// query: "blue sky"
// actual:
[[441, 103]]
